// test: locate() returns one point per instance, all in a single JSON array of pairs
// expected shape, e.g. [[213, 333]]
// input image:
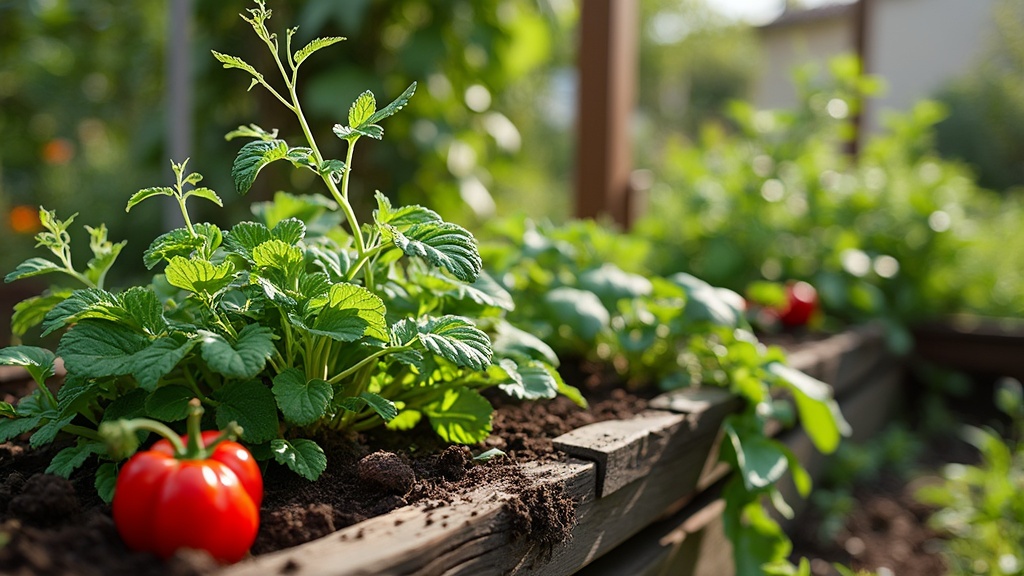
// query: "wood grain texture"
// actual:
[[627, 450], [473, 535]]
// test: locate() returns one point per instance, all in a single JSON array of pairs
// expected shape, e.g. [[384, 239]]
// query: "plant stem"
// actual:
[[365, 362], [82, 431]]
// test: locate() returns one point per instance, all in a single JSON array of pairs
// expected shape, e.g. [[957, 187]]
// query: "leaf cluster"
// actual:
[[981, 507], [896, 233], [671, 332], [299, 323]]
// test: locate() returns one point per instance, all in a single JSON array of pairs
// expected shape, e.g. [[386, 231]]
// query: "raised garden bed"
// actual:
[[643, 491], [634, 495]]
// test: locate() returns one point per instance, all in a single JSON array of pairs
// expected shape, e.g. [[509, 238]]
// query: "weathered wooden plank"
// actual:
[[666, 547], [428, 538], [608, 521], [626, 450], [990, 346], [691, 542]]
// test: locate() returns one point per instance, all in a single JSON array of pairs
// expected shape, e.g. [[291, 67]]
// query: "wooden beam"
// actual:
[[609, 45]]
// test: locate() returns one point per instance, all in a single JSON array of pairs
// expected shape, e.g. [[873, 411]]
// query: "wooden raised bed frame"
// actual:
[[644, 488]]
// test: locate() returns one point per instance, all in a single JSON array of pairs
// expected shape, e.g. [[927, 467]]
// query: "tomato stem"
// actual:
[[122, 441]]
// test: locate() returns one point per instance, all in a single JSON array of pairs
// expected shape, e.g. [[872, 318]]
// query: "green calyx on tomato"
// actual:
[[201, 490]]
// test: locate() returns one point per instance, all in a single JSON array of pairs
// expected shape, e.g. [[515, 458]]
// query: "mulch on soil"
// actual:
[[49, 525]]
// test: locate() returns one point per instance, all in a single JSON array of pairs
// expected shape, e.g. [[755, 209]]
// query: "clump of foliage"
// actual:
[[895, 233], [303, 322], [982, 507], [580, 291]]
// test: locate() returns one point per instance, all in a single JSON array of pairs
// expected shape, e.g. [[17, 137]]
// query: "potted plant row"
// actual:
[[307, 324]]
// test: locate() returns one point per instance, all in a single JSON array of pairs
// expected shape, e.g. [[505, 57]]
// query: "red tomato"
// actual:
[[802, 302], [162, 503]]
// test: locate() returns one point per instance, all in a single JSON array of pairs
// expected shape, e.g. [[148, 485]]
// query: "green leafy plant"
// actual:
[[581, 291], [981, 508], [895, 234], [301, 323]]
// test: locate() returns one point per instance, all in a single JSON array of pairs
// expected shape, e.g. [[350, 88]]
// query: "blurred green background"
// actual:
[[490, 133]]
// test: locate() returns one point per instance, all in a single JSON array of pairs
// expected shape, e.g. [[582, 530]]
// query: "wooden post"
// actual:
[[609, 44], [861, 45]]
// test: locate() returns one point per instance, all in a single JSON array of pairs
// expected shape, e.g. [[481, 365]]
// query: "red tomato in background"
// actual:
[[801, 304], [162, 503]]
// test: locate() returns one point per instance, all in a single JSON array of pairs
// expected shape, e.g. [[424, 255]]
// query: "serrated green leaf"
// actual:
[[252, 157], [290, 231], [30, 312], [304, 457], [394, 106], [361, 110], [348, 133], [244, 237], [104, 254], [143, 308], [313, 46], [251, 131], [127, 406], [32, 267], [157, 360], [277, 256], [198, 276], [106, 481], [97, 348], [75, 394], [206, 194], [178, 242], [314, 284], [351, 312], [37, 361], [78, 303], [335, 169], [235, 62], [382, 406], [443, 244], [246, 358], [301, 157], [252, 406], [276, 294], [71, 458], [7, 410], [530, 380], [404, 216], [14, 427], [457, 340], [148, 193], [49, 430], [169, 403], [462, 416], [302, 401]]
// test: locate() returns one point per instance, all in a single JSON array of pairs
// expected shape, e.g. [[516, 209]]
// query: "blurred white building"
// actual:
[[916, 46]]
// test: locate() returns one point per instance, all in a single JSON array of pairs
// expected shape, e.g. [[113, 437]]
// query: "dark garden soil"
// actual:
[[51, 526], [887, 532]]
